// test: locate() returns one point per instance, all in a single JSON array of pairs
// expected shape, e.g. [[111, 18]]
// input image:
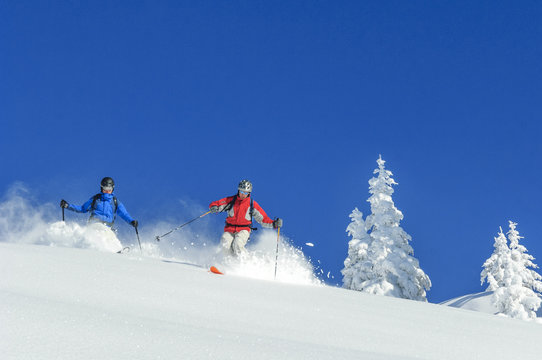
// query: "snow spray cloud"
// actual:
[[199, 245], [190, 244], [25, 220], [21, 218], [259, 262]]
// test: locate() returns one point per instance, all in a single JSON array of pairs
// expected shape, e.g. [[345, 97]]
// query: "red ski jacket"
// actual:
[[239, 214]]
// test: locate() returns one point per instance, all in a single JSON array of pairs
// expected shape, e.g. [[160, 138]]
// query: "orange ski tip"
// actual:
[[215, 270]]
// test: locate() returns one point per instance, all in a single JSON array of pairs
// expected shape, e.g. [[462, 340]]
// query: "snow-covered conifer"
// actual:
[[529, 276], [517, 296], [493, 271], [381, 262], [357, 251]]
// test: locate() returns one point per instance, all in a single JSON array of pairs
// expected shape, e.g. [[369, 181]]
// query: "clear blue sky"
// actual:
[[182, 99]]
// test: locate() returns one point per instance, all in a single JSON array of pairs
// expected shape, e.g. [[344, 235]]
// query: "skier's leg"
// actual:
[[239, 241], [226, 242]]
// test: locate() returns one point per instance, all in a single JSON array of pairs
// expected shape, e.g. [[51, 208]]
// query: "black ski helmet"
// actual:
[[107, 182]]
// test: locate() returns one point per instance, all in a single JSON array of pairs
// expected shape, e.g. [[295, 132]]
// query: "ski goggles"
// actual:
[[244, 192], [107, 188]]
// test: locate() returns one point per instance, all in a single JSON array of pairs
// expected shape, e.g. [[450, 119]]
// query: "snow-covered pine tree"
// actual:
[[517, 297], [382, 263], [357, 251], [494, 266], [530, 277]]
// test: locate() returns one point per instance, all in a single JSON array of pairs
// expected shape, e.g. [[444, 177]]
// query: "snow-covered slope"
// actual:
[[475, 302], [478, 302], [67, 303]]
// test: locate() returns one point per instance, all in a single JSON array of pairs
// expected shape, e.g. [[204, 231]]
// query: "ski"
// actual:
[[214, 270], [124, 250]]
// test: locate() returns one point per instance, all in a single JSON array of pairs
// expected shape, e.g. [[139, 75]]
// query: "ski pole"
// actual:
[[137, 233], [180, 226], [277, 254]]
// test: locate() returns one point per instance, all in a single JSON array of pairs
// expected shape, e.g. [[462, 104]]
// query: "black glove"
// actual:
[[277, 223], [134, 223], [64, 204], [214, 209]]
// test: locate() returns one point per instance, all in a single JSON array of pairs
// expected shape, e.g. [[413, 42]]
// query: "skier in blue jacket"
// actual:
[[103, 206]]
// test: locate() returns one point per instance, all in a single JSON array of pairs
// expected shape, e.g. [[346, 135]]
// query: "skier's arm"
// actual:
[[81, 209], [222, 203], [261, 217], [123, 213]]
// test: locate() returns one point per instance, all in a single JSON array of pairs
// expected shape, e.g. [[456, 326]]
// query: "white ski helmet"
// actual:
[[245, 186]]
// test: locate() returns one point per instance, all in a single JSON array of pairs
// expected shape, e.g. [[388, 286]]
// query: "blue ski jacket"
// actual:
[[103, 209]]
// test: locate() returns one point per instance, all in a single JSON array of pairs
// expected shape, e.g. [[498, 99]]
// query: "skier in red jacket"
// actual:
[[241, 210]]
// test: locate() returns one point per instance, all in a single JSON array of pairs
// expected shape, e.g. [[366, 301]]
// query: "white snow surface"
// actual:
[[79, 303], [481, 302], [65, 294]]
